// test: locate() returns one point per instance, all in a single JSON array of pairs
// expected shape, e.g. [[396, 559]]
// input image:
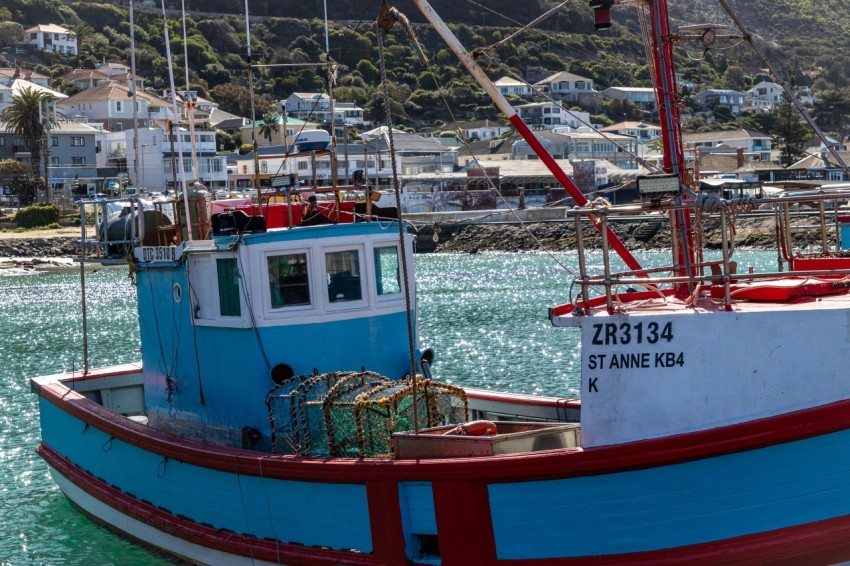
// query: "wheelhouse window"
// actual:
[[228, 287], [289, 284], [387, 273], [343, 269]]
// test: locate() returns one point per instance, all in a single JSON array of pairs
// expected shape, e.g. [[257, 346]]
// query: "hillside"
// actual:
[[807, 40]]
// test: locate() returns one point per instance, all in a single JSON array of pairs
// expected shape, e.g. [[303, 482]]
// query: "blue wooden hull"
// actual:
[[763, 496]]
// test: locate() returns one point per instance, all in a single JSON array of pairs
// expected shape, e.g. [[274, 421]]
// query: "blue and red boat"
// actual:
[[284, 412]]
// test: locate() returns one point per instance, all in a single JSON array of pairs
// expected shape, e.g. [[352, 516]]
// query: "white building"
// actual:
[[316, 107], [570, 87], [642, 97], [155, 159], [551, 115], [51, 37], [641, 131], [756, 146], [507, 85], [763, 97]]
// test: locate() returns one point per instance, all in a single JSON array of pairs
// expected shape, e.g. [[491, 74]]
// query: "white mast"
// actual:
[[175, 115], [136, 176]]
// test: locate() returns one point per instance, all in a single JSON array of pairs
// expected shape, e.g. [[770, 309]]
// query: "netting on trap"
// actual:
[[295, 410], [361, 424]]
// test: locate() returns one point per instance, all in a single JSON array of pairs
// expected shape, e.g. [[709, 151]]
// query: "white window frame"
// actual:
[[203, 278], [366, 287], [292, 311]]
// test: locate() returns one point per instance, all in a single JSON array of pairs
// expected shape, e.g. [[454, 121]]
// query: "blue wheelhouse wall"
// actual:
[[221, 376]]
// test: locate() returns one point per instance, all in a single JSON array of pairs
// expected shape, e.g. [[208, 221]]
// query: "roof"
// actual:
[[78, 74], [722, 162], [22, 74], [816, 161], [509, 81], [473, 124], [629, 126], [488, 147], [290, 121], [407, 142], [19, 84], [49, 28], [114, 91], [562, 76], [71, 127], [719, 91], [311, 95], [721, 136], [631, 88]]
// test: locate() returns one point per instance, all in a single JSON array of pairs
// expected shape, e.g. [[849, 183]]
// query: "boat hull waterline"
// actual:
[[727, 493]]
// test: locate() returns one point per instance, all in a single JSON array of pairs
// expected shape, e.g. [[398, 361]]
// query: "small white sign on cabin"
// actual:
[[158, 254]]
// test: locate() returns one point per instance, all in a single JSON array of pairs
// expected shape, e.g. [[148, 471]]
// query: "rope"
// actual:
[[527, 26], [381, 23]]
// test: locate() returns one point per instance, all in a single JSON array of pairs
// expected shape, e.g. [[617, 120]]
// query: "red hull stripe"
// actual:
[[224, 541], [751, 435], [821, 542]]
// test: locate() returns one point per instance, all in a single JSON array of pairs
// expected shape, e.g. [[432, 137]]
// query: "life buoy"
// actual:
[[474, 428]]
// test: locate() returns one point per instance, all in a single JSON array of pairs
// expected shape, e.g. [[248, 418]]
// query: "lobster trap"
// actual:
[[354, 414]]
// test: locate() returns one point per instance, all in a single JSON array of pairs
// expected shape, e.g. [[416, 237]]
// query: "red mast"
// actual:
[[666, 95]]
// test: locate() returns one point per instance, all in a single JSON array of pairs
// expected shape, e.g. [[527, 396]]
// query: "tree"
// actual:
[[791, 132], [27, 119], [270, 125], [18, 177], [832, 112]]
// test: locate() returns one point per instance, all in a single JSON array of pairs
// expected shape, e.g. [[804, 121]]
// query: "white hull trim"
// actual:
[[140, 531]]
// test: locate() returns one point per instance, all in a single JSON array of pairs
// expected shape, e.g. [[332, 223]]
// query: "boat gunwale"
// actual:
[[529, 466]]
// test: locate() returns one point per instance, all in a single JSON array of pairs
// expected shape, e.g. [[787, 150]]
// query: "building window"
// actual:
[[2, 141], [78, 141], [78, 161], [54, 141], [54, 161], [264, 167], [289, 283], [119, 106]]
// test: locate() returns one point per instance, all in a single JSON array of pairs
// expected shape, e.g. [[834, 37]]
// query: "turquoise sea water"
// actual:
[[484, 315]]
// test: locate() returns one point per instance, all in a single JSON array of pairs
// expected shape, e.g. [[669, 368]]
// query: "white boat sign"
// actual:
[[154, 254]]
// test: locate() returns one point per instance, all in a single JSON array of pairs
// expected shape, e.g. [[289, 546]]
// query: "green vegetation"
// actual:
[[807, 40], [40, 215]]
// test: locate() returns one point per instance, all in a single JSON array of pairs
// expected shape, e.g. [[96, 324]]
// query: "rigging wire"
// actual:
[[382, 25]]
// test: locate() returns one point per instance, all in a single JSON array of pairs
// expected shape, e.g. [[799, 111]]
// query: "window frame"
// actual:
[[366, 288], [287, 311]]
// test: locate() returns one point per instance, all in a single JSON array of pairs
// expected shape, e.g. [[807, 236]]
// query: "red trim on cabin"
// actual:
[[185, 529], [388, 543], [531, 466], [464, 523]]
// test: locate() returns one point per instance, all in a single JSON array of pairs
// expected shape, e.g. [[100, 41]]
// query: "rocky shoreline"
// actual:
[[756, 231]]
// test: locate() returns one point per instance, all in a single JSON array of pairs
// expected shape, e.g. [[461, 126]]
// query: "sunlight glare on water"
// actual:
[[485, 316]]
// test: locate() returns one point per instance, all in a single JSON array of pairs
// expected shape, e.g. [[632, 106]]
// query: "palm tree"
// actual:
[[270, 125], [27, 118]]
